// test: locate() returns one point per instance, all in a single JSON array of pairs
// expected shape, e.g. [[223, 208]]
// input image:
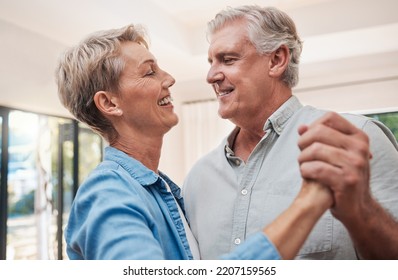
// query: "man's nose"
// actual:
[[214, 75]]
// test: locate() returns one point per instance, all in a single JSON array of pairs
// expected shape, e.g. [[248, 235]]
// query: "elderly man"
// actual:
[[255, 173]]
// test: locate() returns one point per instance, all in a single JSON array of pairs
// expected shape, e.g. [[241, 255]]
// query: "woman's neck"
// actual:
[[147, 150]]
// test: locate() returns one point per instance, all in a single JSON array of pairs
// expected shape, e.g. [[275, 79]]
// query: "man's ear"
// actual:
[[107, 103], [279, 60]]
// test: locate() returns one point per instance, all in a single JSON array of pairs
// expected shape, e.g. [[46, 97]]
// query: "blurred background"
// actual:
[[349, 64]]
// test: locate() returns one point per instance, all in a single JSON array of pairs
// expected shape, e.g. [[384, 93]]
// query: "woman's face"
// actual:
[[144, 92]]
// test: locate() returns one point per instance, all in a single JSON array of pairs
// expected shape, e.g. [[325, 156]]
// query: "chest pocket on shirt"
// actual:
[[320, 238]]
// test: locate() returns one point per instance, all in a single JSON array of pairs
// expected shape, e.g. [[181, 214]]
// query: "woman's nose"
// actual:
[[168, 81]]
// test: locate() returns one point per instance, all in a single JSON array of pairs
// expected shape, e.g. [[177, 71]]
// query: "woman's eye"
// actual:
[[150, 73]]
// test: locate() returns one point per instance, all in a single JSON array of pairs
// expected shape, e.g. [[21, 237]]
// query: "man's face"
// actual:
[[238, 74]]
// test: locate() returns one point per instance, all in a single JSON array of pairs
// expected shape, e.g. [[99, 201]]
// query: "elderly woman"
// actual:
[[127, 208]]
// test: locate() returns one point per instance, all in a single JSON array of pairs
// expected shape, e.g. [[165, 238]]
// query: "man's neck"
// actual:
[[245, 141]]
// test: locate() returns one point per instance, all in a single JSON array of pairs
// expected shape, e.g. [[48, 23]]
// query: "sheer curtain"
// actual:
[[203, 130]]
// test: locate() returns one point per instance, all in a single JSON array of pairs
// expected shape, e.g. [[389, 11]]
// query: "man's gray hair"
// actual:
[[268, 28]]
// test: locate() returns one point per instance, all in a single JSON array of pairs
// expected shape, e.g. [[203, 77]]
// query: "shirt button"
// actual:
[[244, 192], [179, 225], [237, 162], [237, 241]]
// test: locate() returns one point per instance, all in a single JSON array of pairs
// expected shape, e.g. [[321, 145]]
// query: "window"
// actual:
[[39, 180], [389, 119]]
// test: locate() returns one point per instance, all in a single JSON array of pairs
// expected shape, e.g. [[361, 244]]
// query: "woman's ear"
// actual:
[[107, 103], [279, 60]]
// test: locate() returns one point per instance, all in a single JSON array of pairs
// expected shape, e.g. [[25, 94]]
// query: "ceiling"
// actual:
[[346, 42]]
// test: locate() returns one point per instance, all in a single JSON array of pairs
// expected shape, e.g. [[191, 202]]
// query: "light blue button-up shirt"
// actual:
[[125, 211], [229, 200]]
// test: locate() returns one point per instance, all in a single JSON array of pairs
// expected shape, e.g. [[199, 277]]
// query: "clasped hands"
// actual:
[[335, 154]]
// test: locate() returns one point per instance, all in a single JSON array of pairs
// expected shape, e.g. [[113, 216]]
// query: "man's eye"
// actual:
[[227, 60]]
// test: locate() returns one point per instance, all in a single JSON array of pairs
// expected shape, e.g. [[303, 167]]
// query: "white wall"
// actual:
[[349, 63]]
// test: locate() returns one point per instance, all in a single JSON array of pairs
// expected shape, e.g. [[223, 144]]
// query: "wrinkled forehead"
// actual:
[[231, 36], [230, 25], [135, 53]]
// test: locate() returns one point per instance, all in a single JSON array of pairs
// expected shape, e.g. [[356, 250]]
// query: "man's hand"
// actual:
[[336, 154]]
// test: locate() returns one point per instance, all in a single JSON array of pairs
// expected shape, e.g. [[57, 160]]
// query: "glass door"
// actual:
[[3, 183], [41, 180], [41, 168], [29, 194]]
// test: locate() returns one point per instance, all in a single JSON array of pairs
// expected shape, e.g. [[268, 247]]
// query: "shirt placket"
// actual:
[[247, 179], [171, 203]]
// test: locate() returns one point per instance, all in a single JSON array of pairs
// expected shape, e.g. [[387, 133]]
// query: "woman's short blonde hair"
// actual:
[[92, 66]]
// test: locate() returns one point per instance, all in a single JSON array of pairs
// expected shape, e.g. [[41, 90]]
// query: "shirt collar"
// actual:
[[230, 140], [136, 169], [140, 172], [279, 118], [277, 121]]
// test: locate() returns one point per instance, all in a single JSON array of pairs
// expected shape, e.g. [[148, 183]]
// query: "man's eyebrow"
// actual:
[[220, 55]]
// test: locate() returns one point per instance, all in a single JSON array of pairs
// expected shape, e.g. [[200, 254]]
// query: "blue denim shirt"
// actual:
[[124, 211]]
